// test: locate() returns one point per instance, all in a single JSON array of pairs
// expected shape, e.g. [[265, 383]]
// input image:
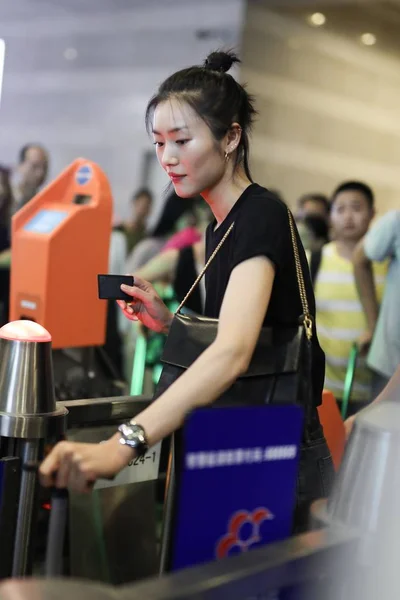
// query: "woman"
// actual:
[[200, 121]]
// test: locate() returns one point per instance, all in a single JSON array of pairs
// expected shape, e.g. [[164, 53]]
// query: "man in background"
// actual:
[[30, 174]]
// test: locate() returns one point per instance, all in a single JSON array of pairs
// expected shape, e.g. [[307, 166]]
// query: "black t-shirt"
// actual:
[[261, 228]]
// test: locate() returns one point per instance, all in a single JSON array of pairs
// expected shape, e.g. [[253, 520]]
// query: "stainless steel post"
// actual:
[[28, 416], [26, 508], [366, 500], [165, 553], [56, 533]]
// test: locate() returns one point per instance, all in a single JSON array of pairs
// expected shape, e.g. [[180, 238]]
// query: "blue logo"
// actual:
[[84, 175]]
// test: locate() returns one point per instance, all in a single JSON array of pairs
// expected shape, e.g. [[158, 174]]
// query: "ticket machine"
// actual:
[[60, 242]]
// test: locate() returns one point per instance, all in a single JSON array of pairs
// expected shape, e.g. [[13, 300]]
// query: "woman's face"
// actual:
[[187, 150]]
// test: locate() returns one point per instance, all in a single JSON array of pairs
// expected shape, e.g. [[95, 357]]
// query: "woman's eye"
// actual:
[[158, 144], [182, 142]]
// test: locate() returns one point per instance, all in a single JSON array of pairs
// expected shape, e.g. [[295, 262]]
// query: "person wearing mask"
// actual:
[[135, 229], [340, 317], [30, 174], [314, 233], [313, 204], [312, 220], [200, 120], [382, 243]]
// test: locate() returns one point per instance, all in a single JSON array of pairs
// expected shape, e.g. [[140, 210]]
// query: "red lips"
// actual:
[[175, 177]]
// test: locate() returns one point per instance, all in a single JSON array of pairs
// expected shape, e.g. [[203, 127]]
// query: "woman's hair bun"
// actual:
[[220, 61]]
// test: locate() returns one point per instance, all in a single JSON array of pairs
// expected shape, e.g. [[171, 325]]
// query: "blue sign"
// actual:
[[45, 221], [84, 174], [237, 485]]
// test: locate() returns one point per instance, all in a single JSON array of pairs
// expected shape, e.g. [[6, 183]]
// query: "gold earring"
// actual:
[[227, 156]]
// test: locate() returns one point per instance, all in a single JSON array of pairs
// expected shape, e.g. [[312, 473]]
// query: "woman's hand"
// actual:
[[77, 466], [146, 306]]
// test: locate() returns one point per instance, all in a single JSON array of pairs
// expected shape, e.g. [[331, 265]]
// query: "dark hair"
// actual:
[[142, 192], [24, 150], [5, 209], [316, 197], [355, 186], [215, 96], [172, 211]]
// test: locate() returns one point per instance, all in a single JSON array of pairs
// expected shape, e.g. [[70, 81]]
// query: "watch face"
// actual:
[[134, 436], [126, 430]]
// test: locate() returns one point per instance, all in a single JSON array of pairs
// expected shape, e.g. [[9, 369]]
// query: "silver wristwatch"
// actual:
[[134, 436]]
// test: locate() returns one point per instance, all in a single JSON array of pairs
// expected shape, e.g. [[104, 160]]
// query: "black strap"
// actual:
[[315, 262]]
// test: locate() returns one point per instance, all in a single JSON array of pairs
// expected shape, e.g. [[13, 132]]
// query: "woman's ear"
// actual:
[[233, 138]]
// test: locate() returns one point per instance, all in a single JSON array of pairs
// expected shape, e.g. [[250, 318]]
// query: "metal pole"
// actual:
[[56, 533], [26, 509], [10, 474], [165, 554]]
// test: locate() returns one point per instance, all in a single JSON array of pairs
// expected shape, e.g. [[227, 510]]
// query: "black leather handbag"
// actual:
[[280, 369]]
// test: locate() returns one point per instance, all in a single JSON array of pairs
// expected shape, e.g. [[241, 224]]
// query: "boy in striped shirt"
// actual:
[[340, 317]]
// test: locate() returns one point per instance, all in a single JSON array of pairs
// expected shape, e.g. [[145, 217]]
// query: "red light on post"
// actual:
[[25, 331]]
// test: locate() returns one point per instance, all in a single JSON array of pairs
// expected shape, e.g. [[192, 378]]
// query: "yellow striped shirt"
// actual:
[[341, 320]]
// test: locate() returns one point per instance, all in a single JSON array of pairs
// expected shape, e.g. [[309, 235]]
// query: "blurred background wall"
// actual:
[[329, 102], [78, 75]]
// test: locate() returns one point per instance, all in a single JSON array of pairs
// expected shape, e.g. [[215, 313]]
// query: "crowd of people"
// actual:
[[336, 273], [354, 273], [354, 260], [354, 266], [354, 263]]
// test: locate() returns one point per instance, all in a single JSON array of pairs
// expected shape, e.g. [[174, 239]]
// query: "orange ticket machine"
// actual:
[[60, 242]]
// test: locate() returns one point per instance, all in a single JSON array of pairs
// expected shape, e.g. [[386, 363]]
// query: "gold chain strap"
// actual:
[[300, 280], [213, 255], [299, 274]]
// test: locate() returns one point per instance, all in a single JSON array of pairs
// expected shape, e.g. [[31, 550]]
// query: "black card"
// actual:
[[110, 287]]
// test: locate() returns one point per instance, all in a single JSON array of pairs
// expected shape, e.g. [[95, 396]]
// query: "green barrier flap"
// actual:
[[101, 542], [157, 374], [139, 363], [349, 379], [148, 349]]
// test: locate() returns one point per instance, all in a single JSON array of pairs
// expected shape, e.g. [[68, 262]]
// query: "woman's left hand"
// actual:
[[77, 466]]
